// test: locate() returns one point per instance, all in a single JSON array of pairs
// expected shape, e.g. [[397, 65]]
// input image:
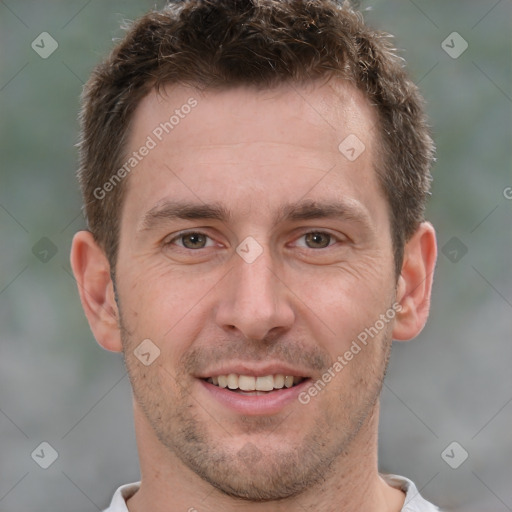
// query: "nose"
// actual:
[[254, 299]]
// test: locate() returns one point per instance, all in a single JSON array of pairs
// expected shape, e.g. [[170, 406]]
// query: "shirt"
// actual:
[[413, 500]]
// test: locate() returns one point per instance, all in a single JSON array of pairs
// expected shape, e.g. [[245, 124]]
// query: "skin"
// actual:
[[302, 301]]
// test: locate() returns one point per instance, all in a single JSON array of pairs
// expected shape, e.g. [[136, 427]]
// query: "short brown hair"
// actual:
[[261, 43]]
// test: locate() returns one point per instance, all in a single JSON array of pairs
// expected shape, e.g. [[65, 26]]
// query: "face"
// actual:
[[252, 246]]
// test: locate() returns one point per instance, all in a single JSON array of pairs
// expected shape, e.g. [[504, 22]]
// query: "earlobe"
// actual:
[[414, 285], [92, 273]]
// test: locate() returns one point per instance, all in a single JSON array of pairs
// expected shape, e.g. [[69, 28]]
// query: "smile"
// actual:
[[252, 385], [254, 395]]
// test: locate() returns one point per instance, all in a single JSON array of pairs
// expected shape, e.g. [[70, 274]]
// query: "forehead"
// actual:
[[331, 110], [252, 147]]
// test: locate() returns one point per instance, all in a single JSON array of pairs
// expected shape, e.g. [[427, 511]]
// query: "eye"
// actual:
[[318, 239], [191, 240]]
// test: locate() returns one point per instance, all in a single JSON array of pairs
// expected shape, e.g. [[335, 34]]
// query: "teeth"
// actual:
[[247, 383], [232, 381], [288, 381], [251, 383], [278, 381], [265, 383]]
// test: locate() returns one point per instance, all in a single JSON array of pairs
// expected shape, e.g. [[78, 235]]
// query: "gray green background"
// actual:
[[453, 383]]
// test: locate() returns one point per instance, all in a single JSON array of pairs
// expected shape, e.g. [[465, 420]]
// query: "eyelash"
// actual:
[[185, 233]]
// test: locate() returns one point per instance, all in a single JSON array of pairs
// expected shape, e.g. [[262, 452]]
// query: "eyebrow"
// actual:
[[167, 210], [170, 210]]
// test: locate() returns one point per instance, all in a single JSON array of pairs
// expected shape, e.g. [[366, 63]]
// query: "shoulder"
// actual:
[[414, 502], [118, 503]]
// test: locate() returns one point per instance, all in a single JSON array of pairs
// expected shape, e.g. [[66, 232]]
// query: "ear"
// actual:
[[92, 273], [415, 283]]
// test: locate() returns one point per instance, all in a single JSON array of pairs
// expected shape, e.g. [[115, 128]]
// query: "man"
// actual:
[[254, 176]]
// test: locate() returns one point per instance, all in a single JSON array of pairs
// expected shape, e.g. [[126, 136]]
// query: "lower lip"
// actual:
[[269, 403]]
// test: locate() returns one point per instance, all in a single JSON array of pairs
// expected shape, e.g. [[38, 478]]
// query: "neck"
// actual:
[[353, 484]]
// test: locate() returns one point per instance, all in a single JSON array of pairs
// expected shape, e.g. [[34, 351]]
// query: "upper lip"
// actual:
[[254, 370]]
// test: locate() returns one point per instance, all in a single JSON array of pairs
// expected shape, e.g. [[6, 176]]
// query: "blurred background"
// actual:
[[446, 416]]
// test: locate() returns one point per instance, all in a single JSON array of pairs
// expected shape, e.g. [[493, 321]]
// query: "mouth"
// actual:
[[254, 391], [254, 386]]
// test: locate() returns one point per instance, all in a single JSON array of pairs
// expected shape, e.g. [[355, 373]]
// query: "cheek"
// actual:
[[165, 306], [346, 300], [155, 292]]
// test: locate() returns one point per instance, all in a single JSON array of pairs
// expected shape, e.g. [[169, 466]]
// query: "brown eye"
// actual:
[[191, 240], [317, 240]]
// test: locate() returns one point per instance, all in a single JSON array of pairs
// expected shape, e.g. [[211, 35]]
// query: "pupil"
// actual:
[[195, 239], [316, 238]]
